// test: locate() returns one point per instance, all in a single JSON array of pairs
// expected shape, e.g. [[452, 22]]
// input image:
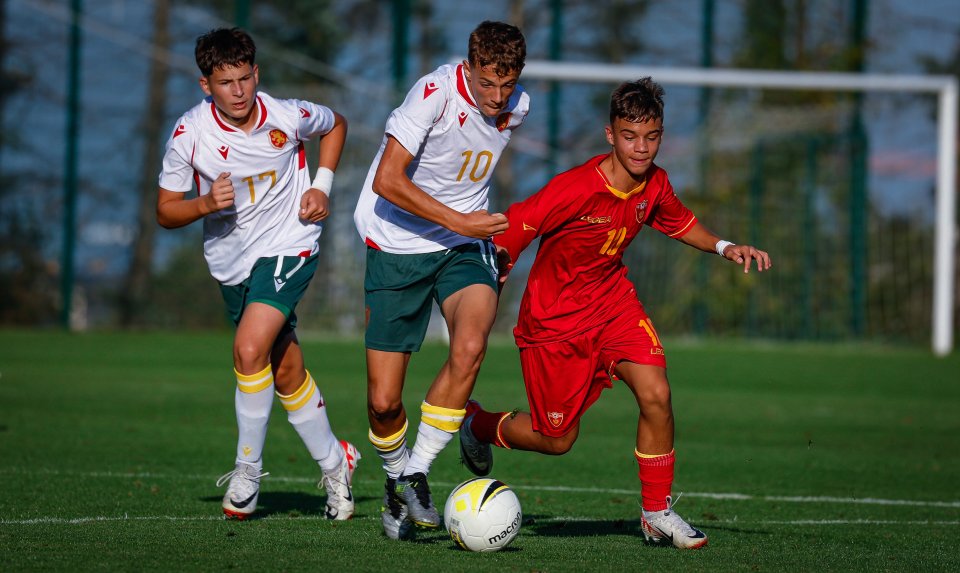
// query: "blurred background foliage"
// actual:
[[837, 187]]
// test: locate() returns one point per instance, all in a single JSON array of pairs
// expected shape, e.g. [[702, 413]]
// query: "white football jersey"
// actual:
[[269, 172], [455, 149]]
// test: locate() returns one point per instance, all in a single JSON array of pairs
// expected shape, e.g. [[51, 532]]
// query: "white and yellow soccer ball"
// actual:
[[482, 514]]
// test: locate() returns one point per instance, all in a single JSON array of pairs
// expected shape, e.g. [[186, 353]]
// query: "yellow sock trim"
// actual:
[[389, 443], [647, 456], [299, 398], [503, 418], [253, 383], [445, 419]]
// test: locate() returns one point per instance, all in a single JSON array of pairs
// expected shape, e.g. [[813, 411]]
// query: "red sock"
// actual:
[[486, 427], [656, 479]]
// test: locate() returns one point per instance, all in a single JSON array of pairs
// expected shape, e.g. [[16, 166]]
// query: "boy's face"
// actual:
[[491, 91], [635, 144], [234, 91]]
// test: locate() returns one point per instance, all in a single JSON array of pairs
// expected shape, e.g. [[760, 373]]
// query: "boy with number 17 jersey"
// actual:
[[244, 152], [269, 170]]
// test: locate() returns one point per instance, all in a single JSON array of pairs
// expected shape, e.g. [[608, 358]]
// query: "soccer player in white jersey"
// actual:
[[244, 152], [423, 216]]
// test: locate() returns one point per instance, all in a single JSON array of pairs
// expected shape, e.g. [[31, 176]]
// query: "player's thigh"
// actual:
[[466, 289], [398, 294], [632, 350], [562, 380]]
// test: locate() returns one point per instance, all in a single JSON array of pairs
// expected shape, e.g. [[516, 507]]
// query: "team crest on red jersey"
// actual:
[[429, 89], [503, 120], [224, 150], [556, 418], [181, 129], [641, 210], [278, 138], [462, 117]]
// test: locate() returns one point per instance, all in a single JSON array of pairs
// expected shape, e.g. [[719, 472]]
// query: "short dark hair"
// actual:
[[224, 47], [499, 45], [640, 100]]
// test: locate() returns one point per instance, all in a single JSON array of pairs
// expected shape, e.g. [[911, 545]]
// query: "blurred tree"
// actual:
[[136, 289], [28, 283]]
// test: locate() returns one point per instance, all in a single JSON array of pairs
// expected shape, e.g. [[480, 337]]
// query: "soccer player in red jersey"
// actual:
[[580, 322]]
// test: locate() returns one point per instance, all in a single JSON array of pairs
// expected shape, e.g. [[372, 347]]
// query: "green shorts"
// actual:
[[278, 281], [399, 288]]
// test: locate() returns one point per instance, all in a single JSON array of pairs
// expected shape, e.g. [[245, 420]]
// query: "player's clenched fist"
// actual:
[[482, 225], [221, 193], [314, 206]]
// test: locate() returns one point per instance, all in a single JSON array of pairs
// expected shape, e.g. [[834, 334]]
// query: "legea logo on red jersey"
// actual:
[[224, 150], [429, 89]]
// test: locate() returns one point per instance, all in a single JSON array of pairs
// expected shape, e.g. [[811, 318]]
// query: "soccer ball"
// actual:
[[482, 514]]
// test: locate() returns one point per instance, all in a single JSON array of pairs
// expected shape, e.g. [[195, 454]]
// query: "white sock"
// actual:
[[392, 450], [252, 401], [437, 427], [307, 413]]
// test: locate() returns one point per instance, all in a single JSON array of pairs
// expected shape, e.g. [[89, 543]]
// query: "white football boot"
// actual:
[[668, 527], [338, 483], [241, 498]]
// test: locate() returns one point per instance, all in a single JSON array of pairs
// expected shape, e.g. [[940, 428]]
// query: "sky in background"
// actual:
[[114, 77]]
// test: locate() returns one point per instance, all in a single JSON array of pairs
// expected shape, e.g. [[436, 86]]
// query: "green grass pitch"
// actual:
[[792, 457]]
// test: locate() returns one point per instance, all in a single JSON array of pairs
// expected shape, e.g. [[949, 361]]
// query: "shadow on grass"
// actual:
[[551, 526], [289, 503]]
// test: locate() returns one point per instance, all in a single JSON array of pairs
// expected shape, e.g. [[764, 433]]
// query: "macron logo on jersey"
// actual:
[[181, 129], [429, 89], [304, 113], [462, 117], [224, 150]]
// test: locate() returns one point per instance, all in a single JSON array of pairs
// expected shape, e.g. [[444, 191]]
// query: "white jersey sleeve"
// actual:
[[455, 150]]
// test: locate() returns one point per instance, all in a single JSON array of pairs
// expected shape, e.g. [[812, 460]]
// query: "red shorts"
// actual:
[[563, 379]]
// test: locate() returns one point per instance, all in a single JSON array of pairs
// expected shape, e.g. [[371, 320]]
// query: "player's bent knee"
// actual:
[[384, 410]]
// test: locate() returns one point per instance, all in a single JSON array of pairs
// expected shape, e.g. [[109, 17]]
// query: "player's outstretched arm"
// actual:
[[174, 210], [391, 183], [702, 238]]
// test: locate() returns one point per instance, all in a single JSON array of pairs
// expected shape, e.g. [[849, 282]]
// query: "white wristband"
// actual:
[[721, 245], [323, 180]]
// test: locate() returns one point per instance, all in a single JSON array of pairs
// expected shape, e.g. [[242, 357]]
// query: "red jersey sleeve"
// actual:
[[539, 214], [670, 216]]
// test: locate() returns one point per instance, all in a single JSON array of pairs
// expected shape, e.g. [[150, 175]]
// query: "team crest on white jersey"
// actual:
[[503, 120], [641, 210], [278, 138], [224, 150]]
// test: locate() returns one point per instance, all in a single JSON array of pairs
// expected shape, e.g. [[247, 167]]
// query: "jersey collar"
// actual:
[[616, 192], [463, 89], [227, 127]]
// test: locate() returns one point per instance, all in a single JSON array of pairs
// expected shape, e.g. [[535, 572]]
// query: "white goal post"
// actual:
[[945, 87]]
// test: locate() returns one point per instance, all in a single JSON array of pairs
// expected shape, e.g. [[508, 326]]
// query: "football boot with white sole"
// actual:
[[338, 483], [663, 527], [240, 501]]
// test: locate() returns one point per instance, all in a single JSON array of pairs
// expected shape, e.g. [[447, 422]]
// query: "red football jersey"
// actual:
[[578, 276]]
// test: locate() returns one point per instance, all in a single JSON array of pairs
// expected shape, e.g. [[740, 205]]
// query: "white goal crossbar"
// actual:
[[945, 87]]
